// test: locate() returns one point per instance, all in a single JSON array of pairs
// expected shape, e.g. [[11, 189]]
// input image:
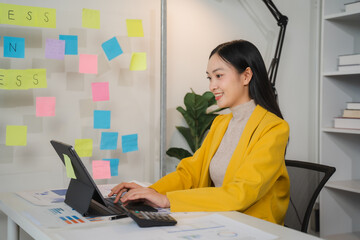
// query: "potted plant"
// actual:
[[198, 121]]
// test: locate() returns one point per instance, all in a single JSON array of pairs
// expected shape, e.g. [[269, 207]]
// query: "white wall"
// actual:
[[196, 27]]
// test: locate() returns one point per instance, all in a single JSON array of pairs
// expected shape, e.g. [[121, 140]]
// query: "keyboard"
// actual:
[[151, 219]]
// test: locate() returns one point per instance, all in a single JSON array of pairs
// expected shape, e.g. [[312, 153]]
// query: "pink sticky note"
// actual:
[[88, 63], [101, 169], [45, 106], [100, 91]]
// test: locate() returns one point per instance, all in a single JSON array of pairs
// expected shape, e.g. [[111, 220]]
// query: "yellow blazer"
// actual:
[[256, 181]]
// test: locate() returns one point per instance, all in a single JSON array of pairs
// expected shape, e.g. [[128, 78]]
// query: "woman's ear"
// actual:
[[247, 75]]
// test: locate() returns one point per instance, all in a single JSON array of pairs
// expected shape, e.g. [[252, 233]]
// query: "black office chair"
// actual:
[[306, 181]]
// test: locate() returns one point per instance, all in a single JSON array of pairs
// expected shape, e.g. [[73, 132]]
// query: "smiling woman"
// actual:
[[240, 165]]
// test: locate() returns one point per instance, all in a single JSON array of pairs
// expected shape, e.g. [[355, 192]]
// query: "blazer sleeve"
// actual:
[[189, 170], [261, 166]]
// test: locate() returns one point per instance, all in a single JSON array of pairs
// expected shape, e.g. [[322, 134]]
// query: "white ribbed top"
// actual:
[[221, 159]]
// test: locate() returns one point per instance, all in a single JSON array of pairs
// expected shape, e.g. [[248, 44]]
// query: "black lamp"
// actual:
[[282, 22]]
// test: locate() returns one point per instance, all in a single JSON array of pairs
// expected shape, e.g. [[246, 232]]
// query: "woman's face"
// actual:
[[229, 87]]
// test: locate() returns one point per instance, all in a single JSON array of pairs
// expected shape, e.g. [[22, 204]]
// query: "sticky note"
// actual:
[[69, 167], [134, 28], [101, 169], [90, 18], [71, 44], [3, 82], [37, 78], [108, 140], [14, 47], [27, 16], [138, 61], [55, 49], [112, 48], [129, 143], [114, 165], [100, 91], [45, 106], [88, 63], [16, 135], [84, 147], [102, 119], [17, 79]]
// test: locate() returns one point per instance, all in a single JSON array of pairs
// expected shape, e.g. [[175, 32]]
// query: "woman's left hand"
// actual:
[[148, 195]]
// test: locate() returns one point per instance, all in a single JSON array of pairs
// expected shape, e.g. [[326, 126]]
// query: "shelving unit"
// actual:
[[340, 199]]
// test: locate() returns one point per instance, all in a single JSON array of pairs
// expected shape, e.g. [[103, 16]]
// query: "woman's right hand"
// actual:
[[121, 188]]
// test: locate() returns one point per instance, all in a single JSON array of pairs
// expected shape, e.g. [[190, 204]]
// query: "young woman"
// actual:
[[240, 165]]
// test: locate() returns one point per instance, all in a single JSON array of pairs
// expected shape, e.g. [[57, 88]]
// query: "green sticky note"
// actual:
[[16, 135], [84, 147], [138, 61], [134, 28], [69, 168], [90, 18]]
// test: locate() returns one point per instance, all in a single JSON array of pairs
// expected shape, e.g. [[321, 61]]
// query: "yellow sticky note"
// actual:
[[69, 168], [46, 17], [17, 79], [3, 81], [27, 16], [84, 147], [16, 135], [138, 61], [90, 18], [37, 78], [134, 28]]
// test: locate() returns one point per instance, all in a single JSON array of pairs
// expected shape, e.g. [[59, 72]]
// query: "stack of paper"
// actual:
[[350, 118], [349, 62]]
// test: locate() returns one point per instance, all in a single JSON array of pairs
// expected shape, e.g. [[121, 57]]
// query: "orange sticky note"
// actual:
[[101, 169], [88, 63]]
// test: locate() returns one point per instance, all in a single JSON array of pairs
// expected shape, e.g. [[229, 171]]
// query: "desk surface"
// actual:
[[21, 212]]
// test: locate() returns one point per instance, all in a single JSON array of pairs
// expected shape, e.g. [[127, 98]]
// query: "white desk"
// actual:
[[17, 209]]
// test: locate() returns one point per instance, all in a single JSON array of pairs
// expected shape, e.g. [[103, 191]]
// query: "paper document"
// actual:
[[44, 198], [209, 227]]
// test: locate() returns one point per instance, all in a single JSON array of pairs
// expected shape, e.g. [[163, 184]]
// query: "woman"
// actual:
[[240, 165]]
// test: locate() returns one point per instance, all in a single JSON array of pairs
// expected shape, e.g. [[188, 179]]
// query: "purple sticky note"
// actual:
[[55, 49]]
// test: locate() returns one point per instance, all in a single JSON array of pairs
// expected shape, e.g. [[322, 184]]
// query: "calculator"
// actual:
[[151, 219]]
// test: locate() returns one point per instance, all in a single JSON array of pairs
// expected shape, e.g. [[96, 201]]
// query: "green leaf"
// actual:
[[205, 122], [178, 153], [188, 137], [195, 104], [210, 98]]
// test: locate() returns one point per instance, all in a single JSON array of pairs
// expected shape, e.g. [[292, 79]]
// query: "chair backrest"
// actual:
[[306, 181]]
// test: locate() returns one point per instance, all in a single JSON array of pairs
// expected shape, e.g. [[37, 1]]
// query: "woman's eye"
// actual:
[[218, 75]]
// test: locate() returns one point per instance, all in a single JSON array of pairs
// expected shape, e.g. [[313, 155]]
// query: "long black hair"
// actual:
[[242, 54]]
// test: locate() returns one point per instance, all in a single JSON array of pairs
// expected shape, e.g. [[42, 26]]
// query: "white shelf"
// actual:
[[340, 130], [343, 16], [349, 185], [341, 73]]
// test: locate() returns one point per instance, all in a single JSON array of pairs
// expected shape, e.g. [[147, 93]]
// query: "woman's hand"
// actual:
[[135, 192], [148, 195], [121, 188]]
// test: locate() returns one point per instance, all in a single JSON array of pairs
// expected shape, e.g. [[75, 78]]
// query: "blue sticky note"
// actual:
[[112, 48], [109, 140], [14, 47], [114, 165], [129, 143], [71, 44], [102, 119]]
